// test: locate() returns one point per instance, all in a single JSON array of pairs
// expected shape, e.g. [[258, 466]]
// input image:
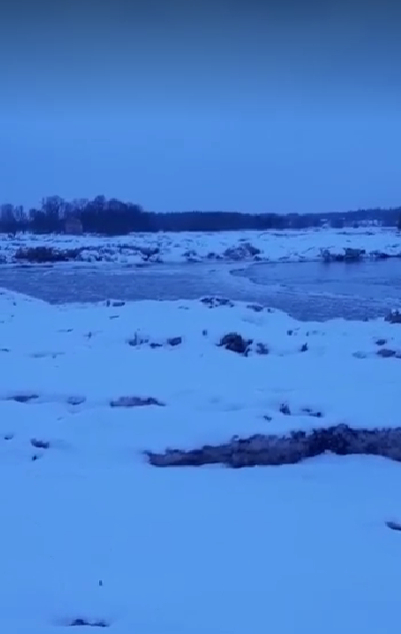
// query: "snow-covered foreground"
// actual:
[[91, 531], [191, 247]]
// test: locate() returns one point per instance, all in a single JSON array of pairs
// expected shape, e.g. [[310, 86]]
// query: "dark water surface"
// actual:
[[307, 290]]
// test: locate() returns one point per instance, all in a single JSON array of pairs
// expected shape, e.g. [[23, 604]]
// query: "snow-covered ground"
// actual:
[[230, 246], [91, 531]]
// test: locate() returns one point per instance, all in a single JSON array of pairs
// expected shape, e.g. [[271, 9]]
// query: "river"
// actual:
[[306, 290]]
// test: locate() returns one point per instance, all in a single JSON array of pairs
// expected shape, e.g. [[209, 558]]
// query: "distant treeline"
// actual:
[[114, 217]]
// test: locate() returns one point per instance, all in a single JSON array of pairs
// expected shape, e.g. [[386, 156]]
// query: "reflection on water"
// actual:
[[307, 290]]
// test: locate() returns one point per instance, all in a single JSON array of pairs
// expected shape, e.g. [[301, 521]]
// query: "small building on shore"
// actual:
[[73, 226]]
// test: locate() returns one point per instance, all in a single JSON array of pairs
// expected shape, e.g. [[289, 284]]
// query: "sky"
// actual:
[[284, 106]]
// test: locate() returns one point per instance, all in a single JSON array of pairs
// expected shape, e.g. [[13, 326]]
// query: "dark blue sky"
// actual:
[[230, 106]]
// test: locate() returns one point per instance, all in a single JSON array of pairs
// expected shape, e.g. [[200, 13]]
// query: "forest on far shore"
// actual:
[[115, 217]]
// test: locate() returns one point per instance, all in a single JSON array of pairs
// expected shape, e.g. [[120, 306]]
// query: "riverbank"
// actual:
[[94, 535], [69, 351], [236, 246]]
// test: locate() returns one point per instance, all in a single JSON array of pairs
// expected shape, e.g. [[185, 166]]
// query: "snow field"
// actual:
[[187, 551]]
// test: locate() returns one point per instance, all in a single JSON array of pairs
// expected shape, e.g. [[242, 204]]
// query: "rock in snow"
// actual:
[[263, 450]]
